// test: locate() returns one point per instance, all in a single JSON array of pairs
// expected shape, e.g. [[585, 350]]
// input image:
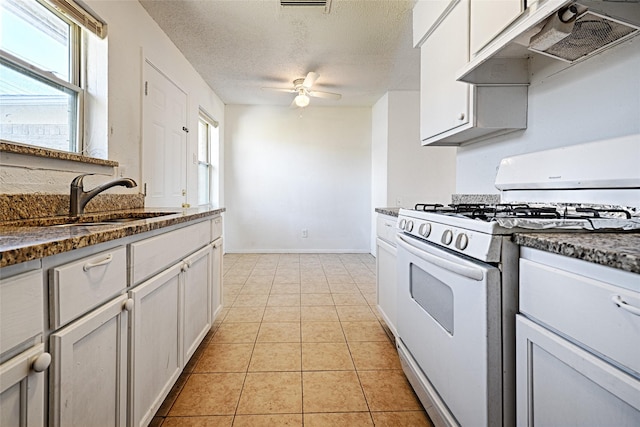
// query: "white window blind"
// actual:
[[81, 15]]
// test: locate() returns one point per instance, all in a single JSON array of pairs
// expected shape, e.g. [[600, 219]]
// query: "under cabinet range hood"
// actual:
[[583, 29], [566, 30]]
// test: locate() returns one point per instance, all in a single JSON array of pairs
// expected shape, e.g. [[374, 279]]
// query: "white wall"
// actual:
[[287, 170], [132, 35], [404, 172], [596, 99]]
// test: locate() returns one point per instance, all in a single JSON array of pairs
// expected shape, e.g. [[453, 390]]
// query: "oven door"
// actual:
[[449, 321]]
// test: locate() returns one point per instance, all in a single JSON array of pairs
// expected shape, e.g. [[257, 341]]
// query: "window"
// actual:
[[208, 140], [40, 72]]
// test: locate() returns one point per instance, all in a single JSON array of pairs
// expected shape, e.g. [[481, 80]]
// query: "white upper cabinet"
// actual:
[[444, 102], [489, 18], [453, 112], [426, 14]]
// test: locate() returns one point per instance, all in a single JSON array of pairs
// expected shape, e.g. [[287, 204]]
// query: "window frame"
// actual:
[[204, 117], [75, 84]]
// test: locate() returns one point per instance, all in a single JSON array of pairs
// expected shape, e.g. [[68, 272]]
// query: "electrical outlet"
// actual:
[[398, 201], [305, 233]]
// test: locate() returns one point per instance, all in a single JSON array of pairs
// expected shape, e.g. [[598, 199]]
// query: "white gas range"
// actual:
[[458, 272]]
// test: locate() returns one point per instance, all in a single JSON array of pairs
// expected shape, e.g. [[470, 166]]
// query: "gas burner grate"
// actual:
[[482, 212], [429, 207], [595, 213]]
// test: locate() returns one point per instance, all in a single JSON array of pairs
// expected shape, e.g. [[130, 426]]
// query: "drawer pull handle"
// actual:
[[617, 300], [41, 362], [105, 261]]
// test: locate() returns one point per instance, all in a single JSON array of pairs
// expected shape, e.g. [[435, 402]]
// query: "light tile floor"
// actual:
[[298, 343]]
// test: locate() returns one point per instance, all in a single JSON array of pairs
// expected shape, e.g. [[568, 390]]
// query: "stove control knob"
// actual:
[[425, 229], [409, 226], [447, 237], [402, 223], [462, 241]]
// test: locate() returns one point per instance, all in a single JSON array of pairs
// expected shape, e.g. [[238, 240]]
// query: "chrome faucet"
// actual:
[[80, 198]]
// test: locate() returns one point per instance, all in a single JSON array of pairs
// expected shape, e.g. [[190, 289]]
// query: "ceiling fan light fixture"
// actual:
[[302, 100]]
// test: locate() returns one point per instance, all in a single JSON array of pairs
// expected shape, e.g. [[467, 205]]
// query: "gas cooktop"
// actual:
[[541, 215]]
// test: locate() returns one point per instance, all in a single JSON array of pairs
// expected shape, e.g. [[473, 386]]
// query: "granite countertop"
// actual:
[[388, 211], [617, 250], [26, 240]]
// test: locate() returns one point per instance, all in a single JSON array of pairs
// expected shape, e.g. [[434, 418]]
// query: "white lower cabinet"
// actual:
[[196, 291], [216, 278], [561, 384], [22, 387], [117, 346], [386, 281], [88, 383], [577, 335], [156, 343]]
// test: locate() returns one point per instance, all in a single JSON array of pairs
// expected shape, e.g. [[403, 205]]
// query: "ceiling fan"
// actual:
[[302, 87]]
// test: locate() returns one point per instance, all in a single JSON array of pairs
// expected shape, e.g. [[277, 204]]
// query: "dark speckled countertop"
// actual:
[[388, 211], [617, 250], [27, 240]]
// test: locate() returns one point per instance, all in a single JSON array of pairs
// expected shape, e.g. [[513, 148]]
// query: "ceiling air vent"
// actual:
[[321, 3]]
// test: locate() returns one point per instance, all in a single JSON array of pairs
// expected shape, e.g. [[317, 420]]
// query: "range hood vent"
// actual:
[[577, 32]]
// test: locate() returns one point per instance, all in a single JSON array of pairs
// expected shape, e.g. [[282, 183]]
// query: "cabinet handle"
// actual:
[[105, 261], [617, 300], [128, 304], [41, 362], [461, 116]]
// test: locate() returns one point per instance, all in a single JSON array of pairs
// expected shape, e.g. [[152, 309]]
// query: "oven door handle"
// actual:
[[462, 270]]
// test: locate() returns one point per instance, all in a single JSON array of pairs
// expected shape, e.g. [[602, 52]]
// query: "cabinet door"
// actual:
[[216, 279], [426, 14], [560, 384], [89, 375], [489, 17], [22, 390], [196, 291], [156, 343], [444, 102], [386, 278]]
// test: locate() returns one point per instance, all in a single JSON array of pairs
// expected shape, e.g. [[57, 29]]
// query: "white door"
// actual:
[[164, 141], [89, 374], [156, 343], [197, 296]]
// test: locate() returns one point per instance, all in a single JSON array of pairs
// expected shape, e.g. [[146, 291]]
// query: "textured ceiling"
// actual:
[[361, 48]]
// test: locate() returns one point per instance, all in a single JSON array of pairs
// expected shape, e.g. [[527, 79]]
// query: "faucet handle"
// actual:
[[77, 181]]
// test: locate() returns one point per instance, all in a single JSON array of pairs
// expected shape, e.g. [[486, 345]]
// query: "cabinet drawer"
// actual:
[[583, 309], [21, 309], [387, 228], [216, 228], [152, 255], [81, 285]]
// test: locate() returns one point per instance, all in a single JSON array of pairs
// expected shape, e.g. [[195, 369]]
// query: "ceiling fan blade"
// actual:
[[310, 79], [280, 89], [326, 95]]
